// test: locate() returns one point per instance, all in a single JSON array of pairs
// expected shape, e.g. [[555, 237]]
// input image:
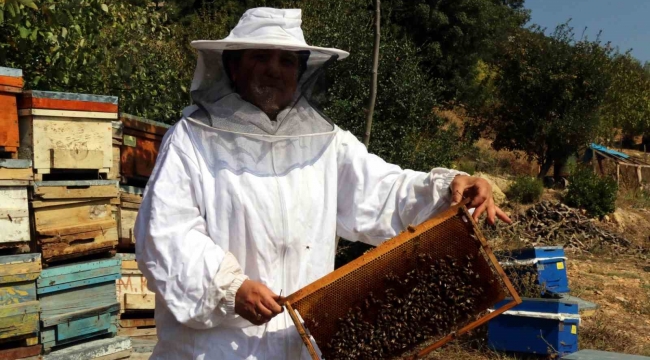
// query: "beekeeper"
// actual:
[[251, 188]]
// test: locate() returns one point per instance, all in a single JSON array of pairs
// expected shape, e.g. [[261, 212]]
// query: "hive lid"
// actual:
[[20, 258], [15, 163], [142, 124], [537, 252], [5, 71], [11, 80], [52, 100], [551, 306]]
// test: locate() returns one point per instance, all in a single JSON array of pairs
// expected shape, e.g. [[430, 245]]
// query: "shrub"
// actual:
[[526, 190], [588, 191]]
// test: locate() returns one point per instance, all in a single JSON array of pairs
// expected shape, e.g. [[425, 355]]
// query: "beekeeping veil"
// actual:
[[243, 137]]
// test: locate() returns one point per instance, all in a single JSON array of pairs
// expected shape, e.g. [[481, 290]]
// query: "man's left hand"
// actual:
[[479, 193]]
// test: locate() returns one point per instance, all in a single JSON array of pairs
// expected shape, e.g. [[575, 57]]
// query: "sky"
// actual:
[[626, 23]]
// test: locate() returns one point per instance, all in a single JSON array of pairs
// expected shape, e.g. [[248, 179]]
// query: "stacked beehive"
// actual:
[[11, 85], [140, 140], [68, 137], [137, 305], [140, 143], [15, 174], [78, 302], [19, 308]]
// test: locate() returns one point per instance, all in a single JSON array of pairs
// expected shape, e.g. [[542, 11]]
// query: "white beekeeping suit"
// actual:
[[236, 196]]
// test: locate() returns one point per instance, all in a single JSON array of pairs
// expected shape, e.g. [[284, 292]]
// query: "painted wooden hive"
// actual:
[[116, 348], [74, 218], [132, 291], [15, 175], [78, 302], [67, 133], [140, 143], [137, 302], [19, 307], [11, 85], [130, 200]]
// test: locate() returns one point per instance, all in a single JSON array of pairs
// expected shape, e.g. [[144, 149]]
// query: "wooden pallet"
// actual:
[[130, 200], [66, 140], [11, 83], [19, 307], [105, 349], [74, 218], [78, 302]]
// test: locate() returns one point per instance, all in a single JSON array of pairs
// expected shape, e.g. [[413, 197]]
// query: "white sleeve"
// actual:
[[378, 200], [196, 279]]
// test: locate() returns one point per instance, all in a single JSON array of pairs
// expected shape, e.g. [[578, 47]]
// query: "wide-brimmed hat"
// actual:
[[267, 28]]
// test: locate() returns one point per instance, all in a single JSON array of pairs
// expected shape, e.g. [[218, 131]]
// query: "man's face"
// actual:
[[266, 78]]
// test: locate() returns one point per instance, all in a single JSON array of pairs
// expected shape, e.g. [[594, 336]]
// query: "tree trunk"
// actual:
[[375, 66], [546, 166], [558, 169]]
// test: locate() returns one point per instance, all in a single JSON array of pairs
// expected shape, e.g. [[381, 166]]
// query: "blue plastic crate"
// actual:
[[550, 264], [536, 326]]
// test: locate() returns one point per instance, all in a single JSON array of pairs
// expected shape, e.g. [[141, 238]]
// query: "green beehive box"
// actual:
[[19, 308]]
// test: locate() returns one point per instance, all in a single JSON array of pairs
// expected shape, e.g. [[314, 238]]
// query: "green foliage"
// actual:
[[405, 130], [627, 105], [549, 91], [100, 47], [454, 35], [526, 190], [588, 191]]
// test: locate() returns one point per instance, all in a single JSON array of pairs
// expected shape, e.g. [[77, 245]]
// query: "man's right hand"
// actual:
[[256, 303]]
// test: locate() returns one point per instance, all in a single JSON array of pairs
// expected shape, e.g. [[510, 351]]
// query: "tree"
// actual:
[[405, 131], [453, 35], [549, 90], [626, 109]]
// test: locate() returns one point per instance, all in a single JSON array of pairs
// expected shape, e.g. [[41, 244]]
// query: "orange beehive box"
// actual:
[[140, 142], [11, 85], [65, 133]]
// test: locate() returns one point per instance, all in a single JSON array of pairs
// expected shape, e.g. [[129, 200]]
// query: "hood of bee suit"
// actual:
[[219, 106]]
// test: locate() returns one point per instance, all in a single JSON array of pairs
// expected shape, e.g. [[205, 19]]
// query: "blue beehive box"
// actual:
[[536, 326], [78, 302], [550, 264]]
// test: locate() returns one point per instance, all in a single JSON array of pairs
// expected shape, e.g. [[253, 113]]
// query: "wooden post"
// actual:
[[600, 166], [375, 66], [639, 177], [618, 174]]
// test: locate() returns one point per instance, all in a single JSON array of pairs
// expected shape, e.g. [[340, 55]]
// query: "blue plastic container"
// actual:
[[550, 264], [536, 326]]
